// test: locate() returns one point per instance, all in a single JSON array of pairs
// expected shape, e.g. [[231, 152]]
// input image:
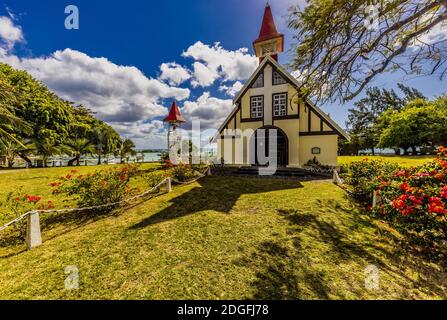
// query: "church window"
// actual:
[[280, 104], [278, 78], [257, 106], [259, 82]]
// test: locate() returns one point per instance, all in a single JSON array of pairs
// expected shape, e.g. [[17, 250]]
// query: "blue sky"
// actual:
[[129, 59]]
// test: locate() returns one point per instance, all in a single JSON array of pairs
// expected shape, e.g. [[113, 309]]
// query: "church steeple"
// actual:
[[270, 41]]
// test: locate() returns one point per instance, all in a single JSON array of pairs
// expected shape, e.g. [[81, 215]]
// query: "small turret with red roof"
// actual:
[[175, 117]]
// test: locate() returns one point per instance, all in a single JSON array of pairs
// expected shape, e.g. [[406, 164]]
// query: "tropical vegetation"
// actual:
[[36, 122]]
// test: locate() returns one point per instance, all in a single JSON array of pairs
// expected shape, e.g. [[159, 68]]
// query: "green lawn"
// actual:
[[224, 238], [404, 161]]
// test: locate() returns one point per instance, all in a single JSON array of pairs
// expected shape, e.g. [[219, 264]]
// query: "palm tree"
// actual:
[[79, 147], [106, 141], [126, 148], [11, 149], [46, 148]]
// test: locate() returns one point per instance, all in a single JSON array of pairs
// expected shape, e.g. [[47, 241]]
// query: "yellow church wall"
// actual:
[[328, 145], [304, 127], [245, 103], [238, 119], [246, 128], [315, 122]]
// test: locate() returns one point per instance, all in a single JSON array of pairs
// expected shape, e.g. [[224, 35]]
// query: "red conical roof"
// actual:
[[174, 114], [268, 27]]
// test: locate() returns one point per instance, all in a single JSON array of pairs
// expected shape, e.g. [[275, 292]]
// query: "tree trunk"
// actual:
[[27, 160], [71, 162], [405, 151], [99, 159], [373, 151], [78, 162], [414, 151]]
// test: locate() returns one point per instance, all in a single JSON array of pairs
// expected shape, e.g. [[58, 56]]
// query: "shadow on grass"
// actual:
[[287, 269], [283, 275], [214, 193]]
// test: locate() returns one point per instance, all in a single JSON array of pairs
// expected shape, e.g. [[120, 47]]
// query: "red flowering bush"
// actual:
[[413, 197], [101, 187], [366, 176]]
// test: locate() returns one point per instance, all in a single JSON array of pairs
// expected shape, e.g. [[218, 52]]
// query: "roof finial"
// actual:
[[267, 4]]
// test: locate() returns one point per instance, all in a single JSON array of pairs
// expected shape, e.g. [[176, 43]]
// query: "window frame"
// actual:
[[263, 107], [274, 71], [261, 74], [286, 107]]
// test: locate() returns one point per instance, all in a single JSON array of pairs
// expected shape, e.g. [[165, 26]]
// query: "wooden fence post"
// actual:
[[33, 234], [377, 199]]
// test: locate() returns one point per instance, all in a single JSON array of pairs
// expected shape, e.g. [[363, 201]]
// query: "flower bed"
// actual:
[[415, 197]]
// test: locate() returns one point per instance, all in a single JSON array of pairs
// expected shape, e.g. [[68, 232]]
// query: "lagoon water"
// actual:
[[90, 161]]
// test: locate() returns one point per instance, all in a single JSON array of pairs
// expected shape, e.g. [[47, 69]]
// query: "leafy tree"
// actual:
[[342, 45], [420, 123], [49, 116], [363, 117], [41, 116], [77, 148], [9, 122]]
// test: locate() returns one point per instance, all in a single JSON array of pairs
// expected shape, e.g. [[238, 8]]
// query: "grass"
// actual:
[[404, 161], [225, 238]]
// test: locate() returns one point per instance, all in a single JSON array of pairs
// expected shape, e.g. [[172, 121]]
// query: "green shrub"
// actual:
[[363, 176], [155, 177], [183, 172]]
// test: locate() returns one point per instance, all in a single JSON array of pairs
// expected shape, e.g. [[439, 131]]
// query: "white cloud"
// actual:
[[209, 110], [116, 93], [203, 75], [174, 73], [232, 90], [10, 34], [213, 62], [152, 134]]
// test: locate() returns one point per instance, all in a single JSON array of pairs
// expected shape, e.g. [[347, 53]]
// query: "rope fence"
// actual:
[[33, 230]]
